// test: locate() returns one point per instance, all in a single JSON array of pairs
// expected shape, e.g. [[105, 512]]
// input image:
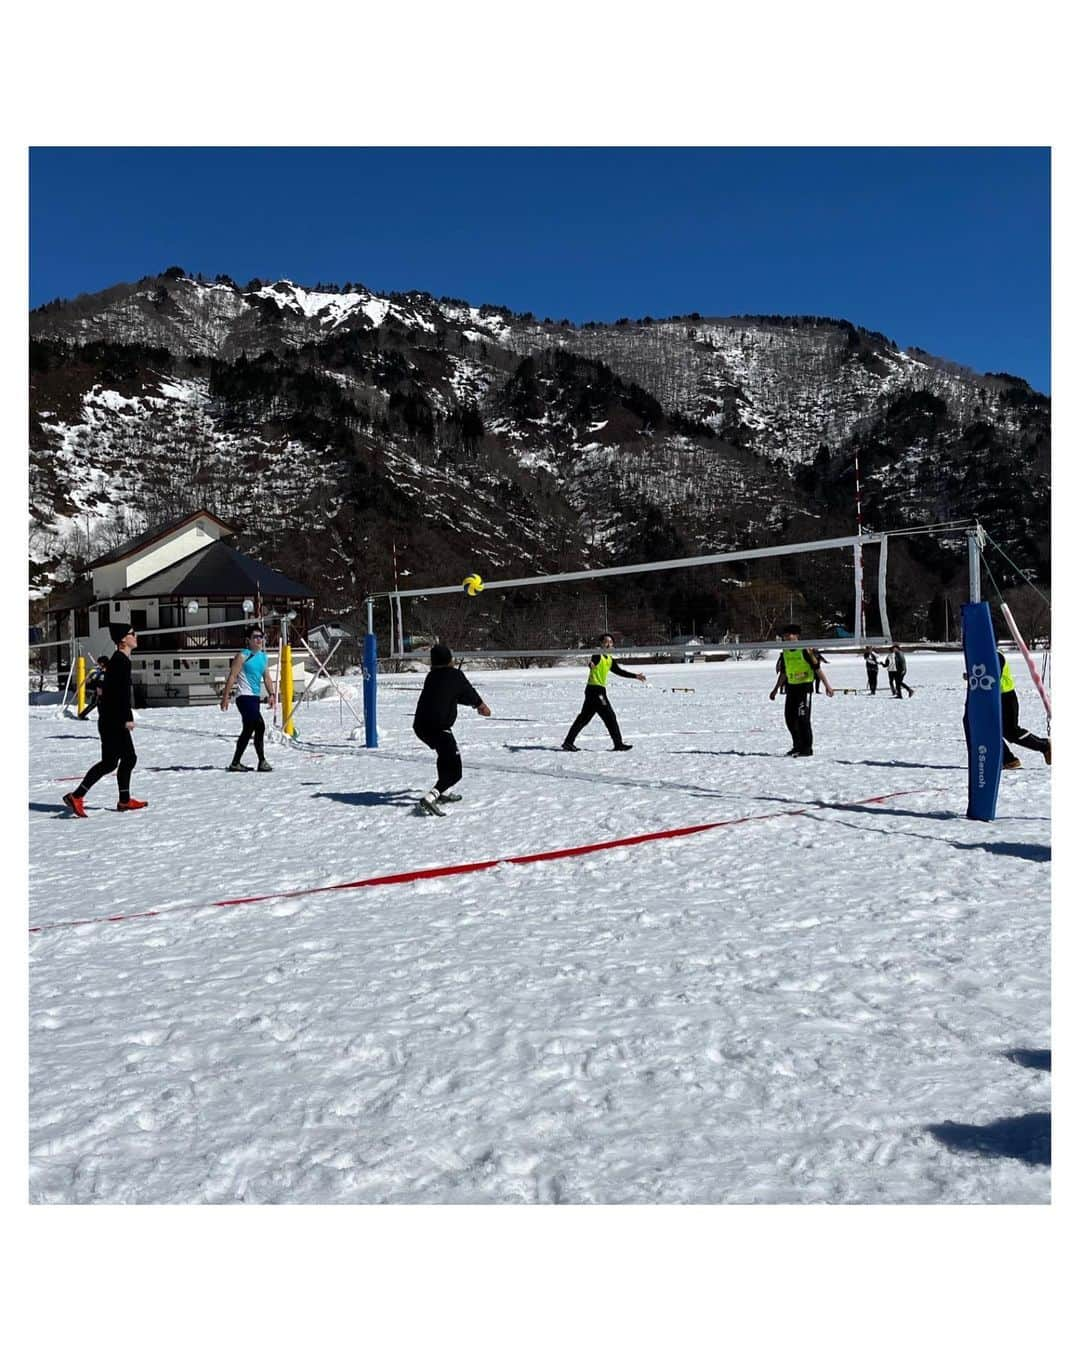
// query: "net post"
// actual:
[[371, 673], [286, 691], [80, 684], [974, 551], [982, 710], [883, 567]]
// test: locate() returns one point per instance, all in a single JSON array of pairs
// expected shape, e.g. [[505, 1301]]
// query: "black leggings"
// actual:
[[1011, 730], [254, 726], [596, 704], [117, 752], [797, 716], [448, 757]]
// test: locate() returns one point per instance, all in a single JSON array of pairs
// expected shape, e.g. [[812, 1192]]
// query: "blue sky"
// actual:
[[944, 249]]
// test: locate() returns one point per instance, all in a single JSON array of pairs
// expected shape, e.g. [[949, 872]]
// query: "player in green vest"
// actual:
[[1011, 730], [796, 671], [596, 699]]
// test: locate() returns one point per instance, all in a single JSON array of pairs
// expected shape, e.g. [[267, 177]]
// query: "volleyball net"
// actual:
[[734, 603]]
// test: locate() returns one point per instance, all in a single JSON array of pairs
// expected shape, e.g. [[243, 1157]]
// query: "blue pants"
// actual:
[[248, 707]]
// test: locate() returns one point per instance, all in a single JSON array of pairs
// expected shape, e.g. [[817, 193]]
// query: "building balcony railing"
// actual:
[[225, 639], [202, 640]]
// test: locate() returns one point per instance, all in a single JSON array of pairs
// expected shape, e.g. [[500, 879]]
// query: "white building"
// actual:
[[179, 576]]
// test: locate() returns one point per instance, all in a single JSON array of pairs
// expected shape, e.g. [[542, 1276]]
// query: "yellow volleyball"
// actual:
[[472, 584]]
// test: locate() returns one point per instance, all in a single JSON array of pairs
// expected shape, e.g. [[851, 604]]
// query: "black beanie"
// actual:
[[440, 655], [118, 631]]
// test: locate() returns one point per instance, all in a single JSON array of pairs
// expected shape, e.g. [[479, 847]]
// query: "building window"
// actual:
[[103, 615], [204, 665], [157, 666]]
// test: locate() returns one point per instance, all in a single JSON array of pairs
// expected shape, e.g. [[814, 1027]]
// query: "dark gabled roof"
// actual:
[[157, 532], [216, 569]]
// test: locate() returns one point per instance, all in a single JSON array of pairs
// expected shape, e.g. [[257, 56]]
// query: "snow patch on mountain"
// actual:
[[331, 310]]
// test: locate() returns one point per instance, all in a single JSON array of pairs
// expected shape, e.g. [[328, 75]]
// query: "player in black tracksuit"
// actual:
[[115, 724], [796, 674], [436, 712]]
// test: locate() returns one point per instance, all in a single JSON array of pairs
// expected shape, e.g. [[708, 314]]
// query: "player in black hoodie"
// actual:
[[436, 712], [116, 722]]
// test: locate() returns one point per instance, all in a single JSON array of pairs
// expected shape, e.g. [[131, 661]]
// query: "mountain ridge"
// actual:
[[484, 438]]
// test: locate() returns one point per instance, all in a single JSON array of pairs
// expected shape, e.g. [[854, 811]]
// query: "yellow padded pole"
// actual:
[[287, 691]]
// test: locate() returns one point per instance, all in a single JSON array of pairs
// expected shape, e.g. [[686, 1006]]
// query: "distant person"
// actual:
[[445, 689], [1011, 730], [896, 665], [92, 688], [116, 722], [249, 672], [596, 699], [872, 668], [796, 671], [822, 661]]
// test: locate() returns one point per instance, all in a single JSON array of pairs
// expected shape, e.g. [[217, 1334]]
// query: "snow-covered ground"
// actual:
[[841, 996]]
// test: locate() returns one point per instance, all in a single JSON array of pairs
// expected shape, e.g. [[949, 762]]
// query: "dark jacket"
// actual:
[[114, 701], [444, 689]]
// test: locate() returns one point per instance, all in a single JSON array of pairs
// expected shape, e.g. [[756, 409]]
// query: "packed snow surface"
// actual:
[[845, 1005]]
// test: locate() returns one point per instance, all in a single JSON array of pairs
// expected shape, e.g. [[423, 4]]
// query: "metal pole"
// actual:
[[1022, 645], [974, 547], [860, 594]]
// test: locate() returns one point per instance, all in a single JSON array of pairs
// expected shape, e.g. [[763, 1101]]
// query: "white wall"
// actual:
[[155, 557], [170, 550]]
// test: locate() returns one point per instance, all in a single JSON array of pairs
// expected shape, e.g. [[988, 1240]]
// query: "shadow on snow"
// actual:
[[1026, 1138], [371, 798]]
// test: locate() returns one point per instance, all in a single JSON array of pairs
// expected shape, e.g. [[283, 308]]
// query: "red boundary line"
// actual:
[[459, 869]]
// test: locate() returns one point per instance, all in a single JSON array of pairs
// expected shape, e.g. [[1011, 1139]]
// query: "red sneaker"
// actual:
[[132, 804], [76, 804]]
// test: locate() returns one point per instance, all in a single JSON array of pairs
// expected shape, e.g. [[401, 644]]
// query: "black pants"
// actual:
[[1011, 730], [797, 716], [447, 755], [596, 704], [897, 685], [871, 678], [253, 727], [117, 752]]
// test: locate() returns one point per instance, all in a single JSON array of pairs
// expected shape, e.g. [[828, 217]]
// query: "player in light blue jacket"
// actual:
[[249, 673]]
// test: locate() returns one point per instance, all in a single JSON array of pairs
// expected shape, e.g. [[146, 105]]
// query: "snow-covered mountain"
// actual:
[[331, 422]]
